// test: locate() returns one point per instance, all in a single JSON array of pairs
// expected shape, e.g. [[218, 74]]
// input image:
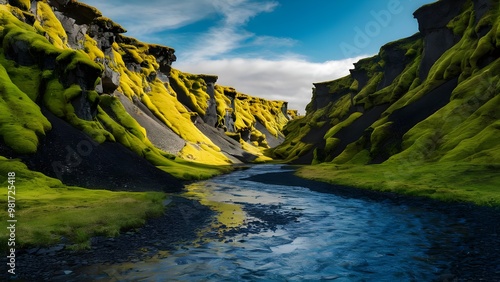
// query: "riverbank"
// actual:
[[475, 258], [180, 223], [448, 182], [48, 209]]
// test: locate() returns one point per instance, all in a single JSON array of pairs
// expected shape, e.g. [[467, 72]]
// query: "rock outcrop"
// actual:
[[69, 72], [427, 98]]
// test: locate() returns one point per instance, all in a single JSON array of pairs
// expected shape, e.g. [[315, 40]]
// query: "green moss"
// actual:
[[54, 98], [350, 154], [26, 78], [449, 181], [461, 22], [331, 143], [186, 170], [196, 97], [91, 49], [50, 210], [379, 135], [336, 128], [14, 30], [72, 59], [21, 121], [473, 108], [364, 96], [472, 148], [51, 25]]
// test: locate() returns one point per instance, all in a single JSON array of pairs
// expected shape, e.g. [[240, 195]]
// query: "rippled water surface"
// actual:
[[284, 233]]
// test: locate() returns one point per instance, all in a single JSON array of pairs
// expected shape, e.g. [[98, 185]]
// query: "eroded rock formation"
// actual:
[[429, 97], [75, 74]]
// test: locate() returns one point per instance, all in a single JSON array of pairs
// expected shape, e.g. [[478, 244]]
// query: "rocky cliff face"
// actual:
[[80, 101], [427, 98]]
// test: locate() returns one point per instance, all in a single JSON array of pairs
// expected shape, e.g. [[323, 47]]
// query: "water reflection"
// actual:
[[284, 233]]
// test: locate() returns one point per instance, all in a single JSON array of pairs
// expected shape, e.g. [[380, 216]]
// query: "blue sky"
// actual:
[[273, 49]]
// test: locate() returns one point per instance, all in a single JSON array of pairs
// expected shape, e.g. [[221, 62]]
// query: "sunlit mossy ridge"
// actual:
[[440, 112], [244, 110], [64, 75], [95, 61], [29, 76]]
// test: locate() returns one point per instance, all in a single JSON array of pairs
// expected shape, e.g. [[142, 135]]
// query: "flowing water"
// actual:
[[266, 232]]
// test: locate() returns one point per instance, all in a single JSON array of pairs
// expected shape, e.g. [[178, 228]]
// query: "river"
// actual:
[[266, 232]]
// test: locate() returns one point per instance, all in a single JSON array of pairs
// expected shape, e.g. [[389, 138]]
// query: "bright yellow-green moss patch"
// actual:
[[186, 170], [247, 111], [223, 105], [15, 30], [26, 78], [21, 121], [91, 49], [293, 114], [50, 210], [51, 25], [203, 154], [192, 89], [71, 59]]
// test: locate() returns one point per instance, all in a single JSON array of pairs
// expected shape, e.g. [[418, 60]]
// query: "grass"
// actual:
[[450, 182], [186, 170], [48, 211]]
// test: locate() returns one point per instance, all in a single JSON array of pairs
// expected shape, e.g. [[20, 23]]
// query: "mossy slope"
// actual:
[[50, 211], [63, 65], [44, 64], [387, 112]]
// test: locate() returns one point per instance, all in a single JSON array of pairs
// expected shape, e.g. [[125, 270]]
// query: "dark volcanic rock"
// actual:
[[84, 108], [438, 38], [211, 113], [70, 155], [76, 33], [395, 60]]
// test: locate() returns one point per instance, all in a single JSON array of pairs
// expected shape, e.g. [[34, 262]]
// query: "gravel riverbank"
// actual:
[[181, 221], [475, 258]]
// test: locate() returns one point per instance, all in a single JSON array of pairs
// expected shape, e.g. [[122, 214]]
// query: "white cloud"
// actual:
[[230, 34], [140, 17], [225, 34], [238, 12], [265, 40], [287, 79]]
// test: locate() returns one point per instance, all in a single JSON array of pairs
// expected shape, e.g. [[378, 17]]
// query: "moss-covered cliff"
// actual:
[[67, 69], [430, 99], [82, 105]]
